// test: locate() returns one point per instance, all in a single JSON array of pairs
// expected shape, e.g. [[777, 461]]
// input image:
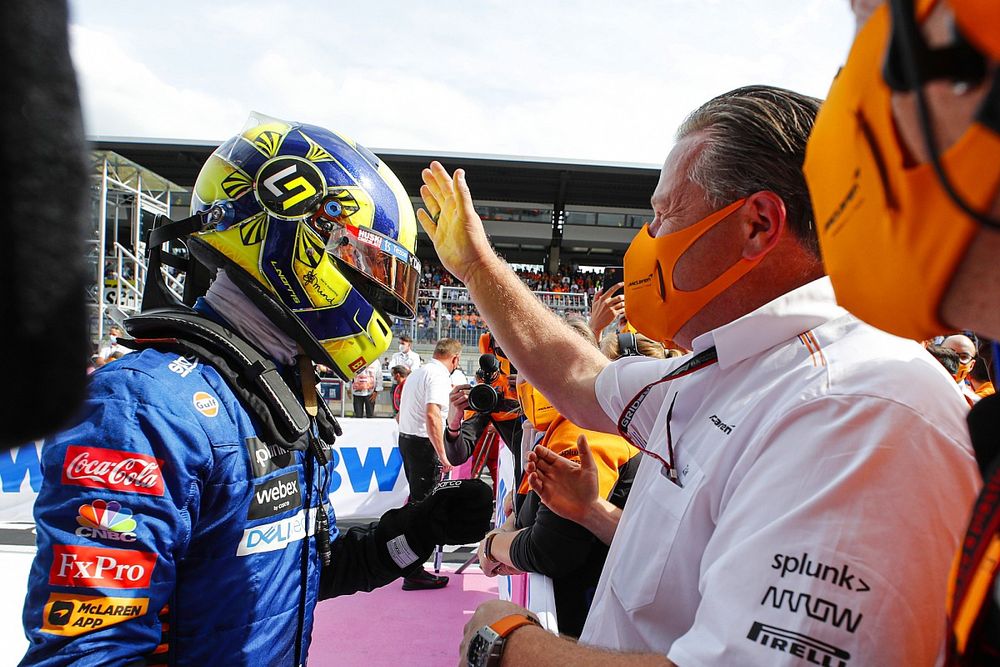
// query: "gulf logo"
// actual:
[[205, 403]]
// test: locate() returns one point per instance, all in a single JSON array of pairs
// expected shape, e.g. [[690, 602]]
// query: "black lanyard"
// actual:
[[694, 364]]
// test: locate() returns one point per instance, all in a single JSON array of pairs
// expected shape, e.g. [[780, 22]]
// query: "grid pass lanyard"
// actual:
[[699, 361]]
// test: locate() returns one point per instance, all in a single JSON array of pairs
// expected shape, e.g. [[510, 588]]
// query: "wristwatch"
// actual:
[[486, 648]]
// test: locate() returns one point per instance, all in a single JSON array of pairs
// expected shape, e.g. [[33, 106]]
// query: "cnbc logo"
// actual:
[[106, 521]]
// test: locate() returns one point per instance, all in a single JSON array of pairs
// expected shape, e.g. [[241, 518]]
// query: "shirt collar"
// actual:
[[800, 310]]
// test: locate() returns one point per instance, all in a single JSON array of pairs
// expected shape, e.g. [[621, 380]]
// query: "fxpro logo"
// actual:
[[807, 567], [275, 496], [92, 567], [815, 607], [278, 534], [813, 651], [106, 521]]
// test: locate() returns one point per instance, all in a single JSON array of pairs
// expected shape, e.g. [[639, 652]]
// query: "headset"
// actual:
[[627, 345]]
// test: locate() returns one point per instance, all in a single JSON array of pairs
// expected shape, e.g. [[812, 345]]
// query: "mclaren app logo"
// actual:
[[72, 615], [60, 612]]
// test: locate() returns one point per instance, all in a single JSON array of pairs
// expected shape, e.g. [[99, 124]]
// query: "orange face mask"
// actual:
[[536, 407], [964, 370], [890, 235], [979, 20], [653, 304]]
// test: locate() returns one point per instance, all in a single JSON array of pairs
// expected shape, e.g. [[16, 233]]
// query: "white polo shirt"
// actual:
[[430, 383], [826, 477], [409, 359]]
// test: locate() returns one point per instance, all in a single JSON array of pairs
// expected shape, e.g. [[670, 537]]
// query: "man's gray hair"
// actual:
[[756, 141]]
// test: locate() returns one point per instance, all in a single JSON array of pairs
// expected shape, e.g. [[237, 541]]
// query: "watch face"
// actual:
[[479, 651]]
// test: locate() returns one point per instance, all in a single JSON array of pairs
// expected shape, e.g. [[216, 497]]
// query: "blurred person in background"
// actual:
[[112, 345], [980, 377], [967, 352], [364, 389], [948, 358], [399, 375], [423, 412], [405, 356]]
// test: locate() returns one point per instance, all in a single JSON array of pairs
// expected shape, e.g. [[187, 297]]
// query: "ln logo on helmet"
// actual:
[[205, 403], [289, 187], [357, 364]]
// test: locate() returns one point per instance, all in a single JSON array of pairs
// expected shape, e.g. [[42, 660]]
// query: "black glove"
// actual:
[[455, 512]]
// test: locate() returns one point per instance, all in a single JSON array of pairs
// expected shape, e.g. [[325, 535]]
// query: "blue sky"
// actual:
[[571, 79]]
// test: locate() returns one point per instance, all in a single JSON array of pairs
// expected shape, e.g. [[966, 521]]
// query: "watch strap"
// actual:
[[508, 624]]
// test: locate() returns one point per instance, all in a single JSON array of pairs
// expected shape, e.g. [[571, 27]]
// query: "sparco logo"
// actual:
[[275, 496], [809, 568], [801, 646], [91, 567], [814, 607], [265, 458], [110, 469], [278, 534]]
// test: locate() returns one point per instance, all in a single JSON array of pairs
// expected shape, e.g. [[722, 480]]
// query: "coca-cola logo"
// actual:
[[101, 468]]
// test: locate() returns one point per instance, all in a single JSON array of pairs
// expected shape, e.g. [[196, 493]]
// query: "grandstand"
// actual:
[[547, 217]]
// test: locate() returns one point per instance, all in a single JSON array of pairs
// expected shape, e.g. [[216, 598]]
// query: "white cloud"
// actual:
[[574, 79], [121, 96]]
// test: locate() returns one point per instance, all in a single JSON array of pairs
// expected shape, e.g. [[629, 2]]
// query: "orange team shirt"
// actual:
[[611, 452]]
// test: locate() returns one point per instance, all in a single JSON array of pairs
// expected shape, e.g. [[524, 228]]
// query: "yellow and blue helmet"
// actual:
[[317, 231]]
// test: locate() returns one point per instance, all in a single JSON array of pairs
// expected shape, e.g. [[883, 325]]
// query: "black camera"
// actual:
[[485, 397]]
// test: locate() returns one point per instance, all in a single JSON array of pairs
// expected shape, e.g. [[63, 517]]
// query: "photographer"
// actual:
[[492, 401]]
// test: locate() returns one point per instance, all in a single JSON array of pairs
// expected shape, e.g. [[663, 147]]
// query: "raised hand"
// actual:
[[607, 308], [450, 219], [567, 488]]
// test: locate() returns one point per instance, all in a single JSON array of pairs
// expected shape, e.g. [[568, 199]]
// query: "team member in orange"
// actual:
[[540, 540]]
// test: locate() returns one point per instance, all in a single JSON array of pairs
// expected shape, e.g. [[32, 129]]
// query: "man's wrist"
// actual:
[[489, 266]]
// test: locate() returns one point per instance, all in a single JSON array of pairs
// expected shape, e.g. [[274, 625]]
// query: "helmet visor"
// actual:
[[390, 273]]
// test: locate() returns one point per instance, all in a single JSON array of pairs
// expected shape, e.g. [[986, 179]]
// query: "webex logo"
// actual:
[[275, 496]]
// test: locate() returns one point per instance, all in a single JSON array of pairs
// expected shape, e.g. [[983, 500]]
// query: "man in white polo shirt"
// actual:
[[806, 477], [423, 409]]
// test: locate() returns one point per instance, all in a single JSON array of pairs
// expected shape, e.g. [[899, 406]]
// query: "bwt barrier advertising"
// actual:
[[367, 480]]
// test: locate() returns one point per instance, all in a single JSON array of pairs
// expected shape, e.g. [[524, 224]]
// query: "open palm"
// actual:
[[450, 219]]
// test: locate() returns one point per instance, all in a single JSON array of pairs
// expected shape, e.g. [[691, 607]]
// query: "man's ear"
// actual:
[[765, 223]]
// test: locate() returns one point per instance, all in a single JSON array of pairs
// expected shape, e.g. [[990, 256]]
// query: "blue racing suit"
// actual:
[[171, 532]]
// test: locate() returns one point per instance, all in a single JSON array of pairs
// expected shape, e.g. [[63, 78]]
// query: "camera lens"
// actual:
[[483, 398]]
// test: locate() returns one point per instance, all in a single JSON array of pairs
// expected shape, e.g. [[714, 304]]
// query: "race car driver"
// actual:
[[185, 518]]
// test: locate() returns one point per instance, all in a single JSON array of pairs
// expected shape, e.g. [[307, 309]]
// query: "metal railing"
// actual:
[[449, 312]]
